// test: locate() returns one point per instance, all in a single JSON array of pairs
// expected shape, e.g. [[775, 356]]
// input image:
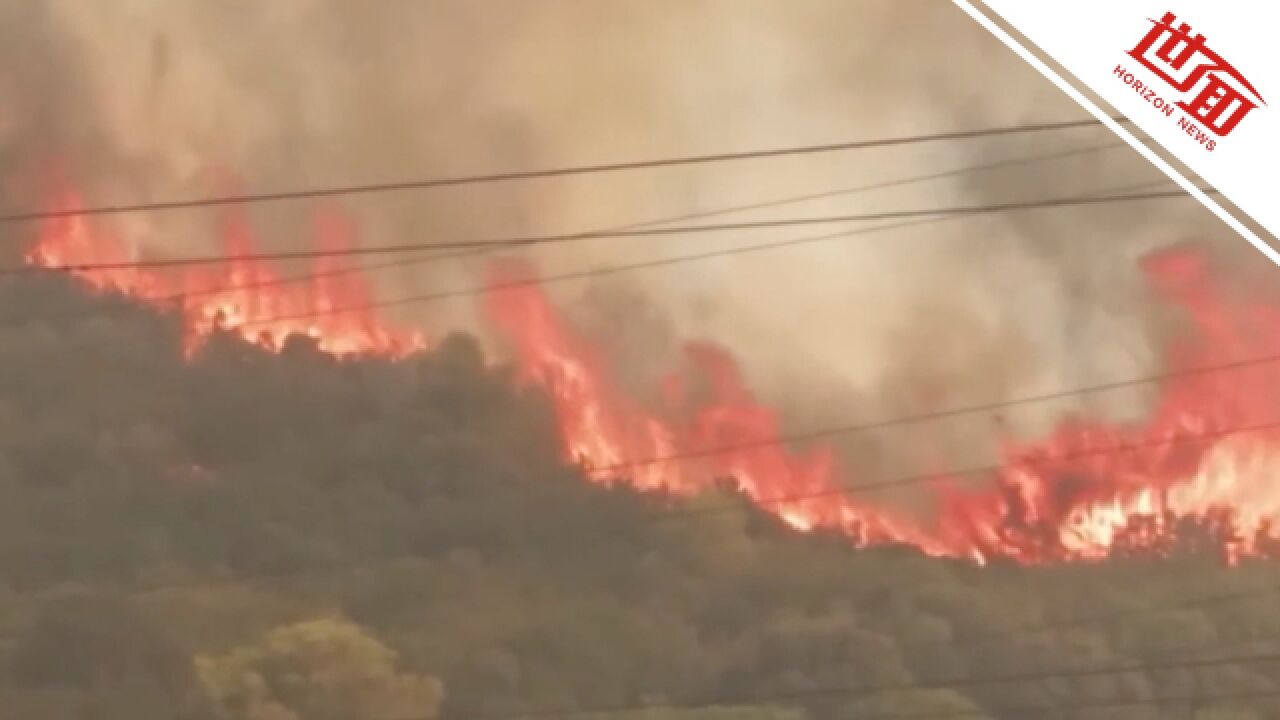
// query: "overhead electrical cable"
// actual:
[[867, 689], [539, 240], [436, 257], [480, 179]]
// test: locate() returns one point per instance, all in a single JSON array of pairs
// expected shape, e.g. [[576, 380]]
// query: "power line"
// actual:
[[862, 690], [1203, 601], [961, 681], [950, 683], [348, 190], [1200, 601], [1265, 637], [916, 479], [611, 270], [826, 194], [1110, 669], [1036, 711], [922, 478], [1041, 711], [593, 272], [972, 681], [538, 240], [963, 410], [669, 515], [1197, 602], [678, 260]]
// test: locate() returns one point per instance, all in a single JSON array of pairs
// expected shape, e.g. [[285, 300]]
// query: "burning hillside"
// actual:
[[1086, 491], [1196, 472], [243, 294]]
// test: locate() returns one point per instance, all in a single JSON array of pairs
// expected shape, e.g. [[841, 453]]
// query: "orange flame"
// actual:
[[1086, 491], [242, 293], [616, 439]]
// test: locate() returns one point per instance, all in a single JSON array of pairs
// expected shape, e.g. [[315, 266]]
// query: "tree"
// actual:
[[923, 702], [722, 712], [327, 669], [99, 658]]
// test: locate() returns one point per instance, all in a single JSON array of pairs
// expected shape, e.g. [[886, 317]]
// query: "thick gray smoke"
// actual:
[[153, 100]]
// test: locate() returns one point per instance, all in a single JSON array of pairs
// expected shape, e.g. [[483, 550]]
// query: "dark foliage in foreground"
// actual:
[[290, 537]]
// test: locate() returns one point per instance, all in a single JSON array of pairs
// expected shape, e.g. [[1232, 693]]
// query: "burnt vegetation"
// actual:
[[256, 536]]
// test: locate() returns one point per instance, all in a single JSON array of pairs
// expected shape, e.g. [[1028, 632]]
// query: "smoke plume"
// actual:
[[146, 100]]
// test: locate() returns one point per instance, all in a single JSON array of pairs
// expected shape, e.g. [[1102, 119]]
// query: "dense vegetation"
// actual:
[[250, 536]]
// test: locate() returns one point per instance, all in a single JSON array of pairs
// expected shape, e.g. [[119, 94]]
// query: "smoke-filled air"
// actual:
[[279, 458]]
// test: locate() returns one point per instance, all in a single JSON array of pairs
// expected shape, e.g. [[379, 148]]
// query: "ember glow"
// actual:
[[242, 293], [1181, 480]]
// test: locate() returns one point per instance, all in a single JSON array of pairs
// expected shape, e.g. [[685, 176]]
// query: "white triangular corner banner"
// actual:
[[1202, 79]]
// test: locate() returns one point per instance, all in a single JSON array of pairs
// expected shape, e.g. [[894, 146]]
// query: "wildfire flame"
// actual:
[[1086, 491], [616, 439], [330, 304]]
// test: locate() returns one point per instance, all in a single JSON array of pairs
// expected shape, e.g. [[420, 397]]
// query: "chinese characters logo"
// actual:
[[1213, 92]]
